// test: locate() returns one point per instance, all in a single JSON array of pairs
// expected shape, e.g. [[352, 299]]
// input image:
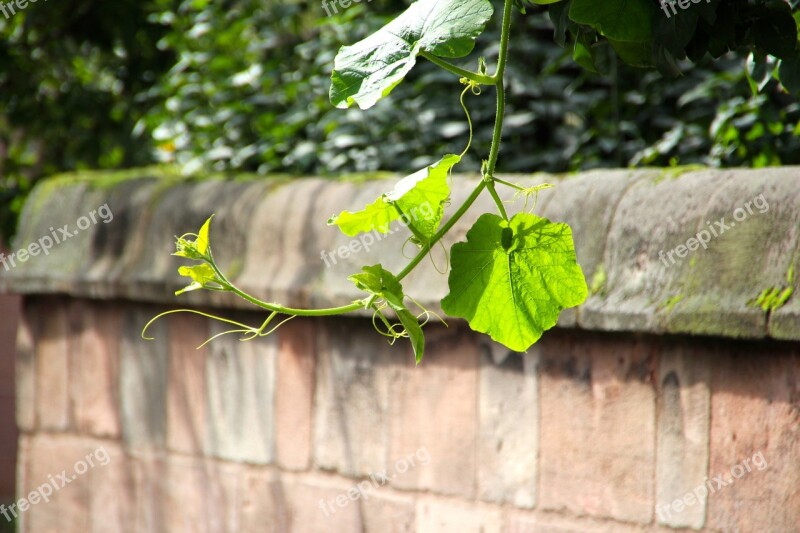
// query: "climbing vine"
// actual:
[[512, 276]]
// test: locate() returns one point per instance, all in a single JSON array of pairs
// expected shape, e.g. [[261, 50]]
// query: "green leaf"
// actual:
[[789, 73], [368, 70], [620, 20], [200, 274], [376, 216], [559, 16], [198, 249], [775, 30], [582, 52], [203, 241], [516, 293], [635, 54], [414, 332], [379, 281], [758, 69], [419, 199]]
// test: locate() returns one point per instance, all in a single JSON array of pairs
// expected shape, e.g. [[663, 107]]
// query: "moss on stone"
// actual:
[[676, 172], [669, 304], [599, 280]]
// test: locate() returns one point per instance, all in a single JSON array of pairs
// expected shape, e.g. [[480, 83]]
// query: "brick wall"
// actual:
[[666, 402], [588, 432], [9, 312]]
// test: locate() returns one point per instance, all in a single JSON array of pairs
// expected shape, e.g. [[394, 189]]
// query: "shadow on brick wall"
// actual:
[[9, 315]]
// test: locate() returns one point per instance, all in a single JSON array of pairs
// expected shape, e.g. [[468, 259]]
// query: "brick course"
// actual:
[[588, 432]]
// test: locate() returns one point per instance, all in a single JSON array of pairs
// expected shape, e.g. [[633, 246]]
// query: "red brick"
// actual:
[[755, 408], [434, 408], [597, 450], [224, 496], [144, 368], [450, 517], [518, 522], [26, 372], [305, 498], [294, 395], [187, 503], [201, 495], [67, 510], [8, 448], [240, 385], [684, 407], [386, 513], [291, 503], [351, 401], [151, 493], [96, 331], [508, 448], [10, 306], [52, 365], [113, 492], [263, 502], [24, 484], [186, 387], [8, 470]]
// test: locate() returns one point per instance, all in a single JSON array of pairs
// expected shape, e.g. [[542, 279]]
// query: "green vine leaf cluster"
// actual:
[[419, 199], [512, 276]]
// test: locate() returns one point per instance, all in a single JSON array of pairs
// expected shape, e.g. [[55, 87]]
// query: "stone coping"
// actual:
[[269, 235]]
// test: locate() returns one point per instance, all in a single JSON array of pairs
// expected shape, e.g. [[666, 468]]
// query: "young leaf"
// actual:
[[516, 292], [418, 198], [200, 275], [379, 281], [203, 241], [198, 249], [368, 70]]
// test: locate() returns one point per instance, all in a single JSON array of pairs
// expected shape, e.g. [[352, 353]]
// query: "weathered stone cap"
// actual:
[[663, 251]]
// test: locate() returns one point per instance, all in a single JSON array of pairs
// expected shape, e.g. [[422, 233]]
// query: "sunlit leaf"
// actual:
[[511, 279], [368, 70]]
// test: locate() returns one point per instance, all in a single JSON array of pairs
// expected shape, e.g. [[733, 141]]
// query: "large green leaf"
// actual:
[[790, 73], [775, 30], [620, 20], [511, 279], [379, 281], [368, 70], [418, 199]]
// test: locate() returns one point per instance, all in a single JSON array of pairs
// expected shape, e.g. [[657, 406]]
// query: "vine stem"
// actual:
[[355, 306], [442, 231], [463, 73], [494, 152], [486, 182]]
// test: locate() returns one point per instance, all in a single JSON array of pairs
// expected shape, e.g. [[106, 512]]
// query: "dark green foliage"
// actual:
[[560, 117], [74, 77], [243, 85]]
